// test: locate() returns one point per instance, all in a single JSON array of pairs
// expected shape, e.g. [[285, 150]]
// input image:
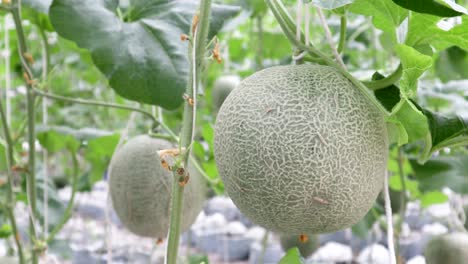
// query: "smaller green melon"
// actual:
[[140, 188], [222, 88], [305, 248], [447, 249]]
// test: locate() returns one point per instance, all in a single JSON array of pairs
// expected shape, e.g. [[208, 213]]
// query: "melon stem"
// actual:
[[196, 52], [30, 103], [285, 21]]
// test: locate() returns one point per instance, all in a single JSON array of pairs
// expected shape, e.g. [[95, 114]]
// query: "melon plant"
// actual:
[[306, 248], [301, 150], [140, 188], [222, 87], [447, 249]]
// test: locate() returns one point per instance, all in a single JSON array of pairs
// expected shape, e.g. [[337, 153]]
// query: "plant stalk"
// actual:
[[196, 52], [10, 193], [343, 27], [95, 103], [29, 78]]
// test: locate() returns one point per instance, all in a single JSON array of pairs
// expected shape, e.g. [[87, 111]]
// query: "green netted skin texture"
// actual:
[[140, 188], [222, 87], [305, 248], [447, 249], [301, 150]]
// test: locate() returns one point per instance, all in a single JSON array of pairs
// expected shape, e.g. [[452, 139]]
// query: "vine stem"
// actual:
[[283, 18], [10, 193], [388, 214], [343, 27], [45, 153], [196, 52], [30, 99], [95, 103], [329, 37]]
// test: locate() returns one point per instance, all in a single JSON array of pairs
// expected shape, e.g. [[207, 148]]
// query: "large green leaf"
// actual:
[[55, 141], [414, 65], [432, 7], [452, 64], [449, 171], [142, 57], [99, 152], [445, 132], [423, 29], [412, 119], [385, 14], [327, 4]]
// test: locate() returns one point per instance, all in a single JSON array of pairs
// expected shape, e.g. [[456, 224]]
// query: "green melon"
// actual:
[[301, 150], [140, 188], [305, 248], [221, 89], [447, 249]]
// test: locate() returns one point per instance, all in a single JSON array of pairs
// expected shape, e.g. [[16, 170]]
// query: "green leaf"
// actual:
[[99, 152], [445, 132], [198, 259], [293, 256], [412, 119], [385, 14], [5, 231], [54, 141], [442, 171], [432, 7], [414, 65], [388, 96], [327, 4], [452, 64], [412, 186], [434, 197], [37, 11], [423, 29], [143, 57]]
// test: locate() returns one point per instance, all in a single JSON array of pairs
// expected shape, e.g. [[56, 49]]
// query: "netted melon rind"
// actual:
[[447, 249], [301, 150], [140, 188]]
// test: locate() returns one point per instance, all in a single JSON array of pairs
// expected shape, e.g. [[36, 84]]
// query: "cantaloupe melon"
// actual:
[[140, 188], [447, 249], [221, 89], [306, 248], [301, 150]]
